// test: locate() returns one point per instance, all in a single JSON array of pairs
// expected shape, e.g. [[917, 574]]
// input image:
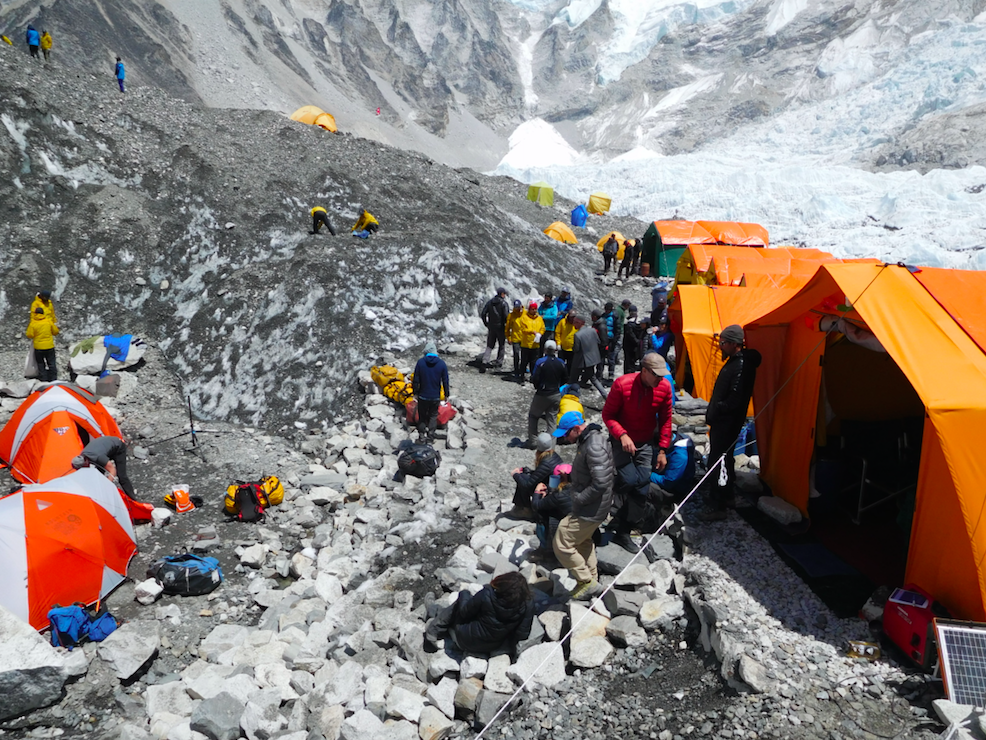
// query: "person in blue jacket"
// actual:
[[120, 72], [661, 338], [549, 312], [33, 41], [678, 475], [564, 303], [430, 379]]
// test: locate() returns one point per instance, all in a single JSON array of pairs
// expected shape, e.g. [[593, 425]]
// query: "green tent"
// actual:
[[665, 241], [541, 193]]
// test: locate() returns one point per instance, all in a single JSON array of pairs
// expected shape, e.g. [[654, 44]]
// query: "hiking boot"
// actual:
[[626, 542], [585, 590], [713, 515], [541, 555], [650, 554], [520, 512]]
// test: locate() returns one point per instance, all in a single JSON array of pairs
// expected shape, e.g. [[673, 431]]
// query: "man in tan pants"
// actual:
[[592, 496]]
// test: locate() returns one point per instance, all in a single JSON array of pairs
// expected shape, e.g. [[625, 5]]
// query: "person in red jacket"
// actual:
[[637, 413]]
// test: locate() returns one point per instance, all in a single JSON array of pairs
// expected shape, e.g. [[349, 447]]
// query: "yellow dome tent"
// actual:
[[561, 232], [599, 203], [326, 121], [619, 243], [541, 193]]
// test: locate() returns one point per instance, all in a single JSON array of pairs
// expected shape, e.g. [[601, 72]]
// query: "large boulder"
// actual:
[[218, 718], [130, 648], [31, 671], [543, 664]]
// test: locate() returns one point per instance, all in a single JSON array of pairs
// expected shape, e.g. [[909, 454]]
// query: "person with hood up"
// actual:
[[46, 44], [564, 302], [319, 217], [591, 492], [120, 73], [43, 301], [565, 337], [531, 327], [430, 380], [513, 334], [549, 312], [494, 316], [527, 479], [496, 618], [42, 331], [33, 41], [726, 415], [585, 356]]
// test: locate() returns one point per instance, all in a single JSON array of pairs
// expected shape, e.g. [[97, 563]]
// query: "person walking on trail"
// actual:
[[120, 73], [42, 331], [585, 356], [494, 316], [531, 327], [43, 301], [726, 416], [610, 248], [591, 491], [46, 44], [629, 254], [319, 217], [528, 479], [637, 412], [108, 455], [33, 41], [513, 334], [548, 377], [430, 380], [549, 312]]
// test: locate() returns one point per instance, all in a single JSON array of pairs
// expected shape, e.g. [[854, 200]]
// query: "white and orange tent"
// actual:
[[67, 540], [49, 429]]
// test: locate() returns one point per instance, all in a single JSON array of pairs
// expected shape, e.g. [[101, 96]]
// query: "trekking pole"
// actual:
[[191, 423]]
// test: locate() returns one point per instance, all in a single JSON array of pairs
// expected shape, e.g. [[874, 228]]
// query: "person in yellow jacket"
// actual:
[[46, 44], [513, 334], [43, 301], [565, 336], [42, 331], [531, 327], [571, 400], [319, 217]]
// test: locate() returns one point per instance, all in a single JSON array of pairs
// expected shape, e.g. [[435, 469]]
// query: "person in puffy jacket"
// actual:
[[586, 367], [120, 73], [527, 479], [549, 312], [592, 497], [43, 301], [494, 316], [319, 217], [726, 414], [33, 41], [430, 379], [530, 325], [513, 334], [46, 44], [678, 476], [564, 302], [42, 331], [565, 337], [498, 616]]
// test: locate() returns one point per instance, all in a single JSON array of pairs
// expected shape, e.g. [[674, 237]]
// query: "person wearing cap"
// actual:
[[564, 302], [531, 327], [591, 491], [109, 456], [41, 331], [629, 254], [633, 334], [513, 334], [565, 337], [586, 357], [430, 380], [661, 338], [549, 312], [548, 377], [637, 413], [726, 415], [43, 301], [319, 217], [494, 316], [528, 479]]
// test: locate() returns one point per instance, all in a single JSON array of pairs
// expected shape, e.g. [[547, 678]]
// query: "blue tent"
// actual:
[[579, 216]]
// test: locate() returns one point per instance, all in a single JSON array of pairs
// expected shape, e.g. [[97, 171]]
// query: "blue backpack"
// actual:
[[71, 625], [186, 574]]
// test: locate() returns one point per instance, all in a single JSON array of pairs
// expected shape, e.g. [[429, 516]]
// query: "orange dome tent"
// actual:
[[315, 116], [326, 121], [49, 429], [561, 232], [63, 541]]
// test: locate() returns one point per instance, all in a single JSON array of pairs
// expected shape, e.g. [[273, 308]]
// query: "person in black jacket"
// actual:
[[496, 617], [633, 334], [726, 415], [550, 374], [527, 479], [494, 316], [551, 505]]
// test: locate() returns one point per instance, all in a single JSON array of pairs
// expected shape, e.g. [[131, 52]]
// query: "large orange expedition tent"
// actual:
[[933, 327], [783, 267]]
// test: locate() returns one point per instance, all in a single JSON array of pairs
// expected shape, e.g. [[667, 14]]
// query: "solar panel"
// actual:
[[962, 649]]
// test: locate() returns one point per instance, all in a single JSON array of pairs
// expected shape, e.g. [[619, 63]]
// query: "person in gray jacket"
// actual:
[[585, 356], [591, 490], [109, 456]]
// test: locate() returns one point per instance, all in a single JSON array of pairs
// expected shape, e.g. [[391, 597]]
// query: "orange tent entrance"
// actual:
[[933, 328]]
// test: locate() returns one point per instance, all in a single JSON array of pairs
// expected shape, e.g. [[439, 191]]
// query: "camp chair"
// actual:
[[887, 455]]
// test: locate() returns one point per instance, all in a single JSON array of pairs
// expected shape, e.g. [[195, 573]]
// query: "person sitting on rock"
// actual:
[[108, 455], [551, 504], [495, 618], [527, 479], [678, 475]]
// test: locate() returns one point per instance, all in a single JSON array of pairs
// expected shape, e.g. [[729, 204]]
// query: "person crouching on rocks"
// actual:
[[527, 479], [497, 617], [108, 455], [319, 217]]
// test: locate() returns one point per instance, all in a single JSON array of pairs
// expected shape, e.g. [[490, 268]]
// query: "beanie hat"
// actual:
[[431, 348], [545, 442], [517, 303], [501, 290], [532, 304], [732, 333], [45, 294]]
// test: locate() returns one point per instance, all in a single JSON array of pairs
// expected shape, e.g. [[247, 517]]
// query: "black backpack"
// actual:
[[419, 460], [186, 574], [250, 507]]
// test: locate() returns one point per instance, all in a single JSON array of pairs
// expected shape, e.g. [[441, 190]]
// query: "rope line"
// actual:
[[677, 508]]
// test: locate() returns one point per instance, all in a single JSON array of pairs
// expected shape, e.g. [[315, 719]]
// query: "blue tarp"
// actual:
[[579, 216]]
